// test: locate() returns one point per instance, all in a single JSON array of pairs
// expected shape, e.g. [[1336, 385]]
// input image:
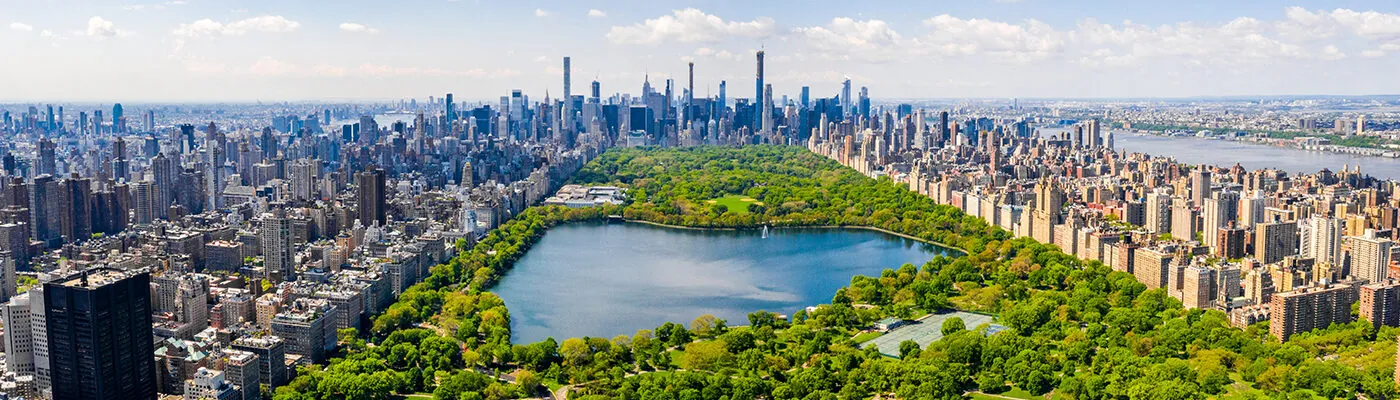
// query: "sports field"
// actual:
[[735, 203], [923, 332]]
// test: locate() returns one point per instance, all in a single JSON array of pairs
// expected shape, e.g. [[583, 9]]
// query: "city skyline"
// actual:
[[196, 51]]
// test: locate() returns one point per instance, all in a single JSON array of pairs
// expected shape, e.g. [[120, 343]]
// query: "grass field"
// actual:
[[866, 336], [735, 203]]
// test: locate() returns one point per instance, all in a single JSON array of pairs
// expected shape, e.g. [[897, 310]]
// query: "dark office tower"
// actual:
[[943, 129], [568, 90], [164, 175], [758, 92], [43, 212], [806, 97], [451, 110], [268, 143], [99, 335], [370, 187], [116, 114], [864, 105], [120, 167], [75, 211], [722, 98], [690, 93], [185, 143], [597, 92], [10, 164], [47, 163], [50, 126]]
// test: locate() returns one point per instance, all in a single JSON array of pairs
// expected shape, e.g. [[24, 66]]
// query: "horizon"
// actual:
[[180, 51]]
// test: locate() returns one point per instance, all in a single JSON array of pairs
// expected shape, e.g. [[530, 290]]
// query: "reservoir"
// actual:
[[604, 280]]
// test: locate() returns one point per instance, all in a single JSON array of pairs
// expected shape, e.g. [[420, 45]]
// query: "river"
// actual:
[[603, 280], [1226, 153]]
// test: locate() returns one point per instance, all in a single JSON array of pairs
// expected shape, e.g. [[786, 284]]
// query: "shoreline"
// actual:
[[1286, 144], [961, 252]]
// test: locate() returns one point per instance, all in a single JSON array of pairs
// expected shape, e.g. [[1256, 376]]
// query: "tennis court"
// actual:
[[924, 331]]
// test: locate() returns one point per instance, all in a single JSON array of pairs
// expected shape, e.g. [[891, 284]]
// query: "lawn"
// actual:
[[866, 336], [735, 203]]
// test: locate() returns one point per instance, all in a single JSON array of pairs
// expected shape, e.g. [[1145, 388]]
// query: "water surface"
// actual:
[[602, 280]]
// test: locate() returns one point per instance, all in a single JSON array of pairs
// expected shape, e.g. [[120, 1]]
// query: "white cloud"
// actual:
[[716, 54], [1027, 41], [21, 27], [691, 25], [101, 28], [46, 33], [541, 13], [1372, 25], [596, 13], [266, 24], [357, 28], [845, 38], [268, 66]]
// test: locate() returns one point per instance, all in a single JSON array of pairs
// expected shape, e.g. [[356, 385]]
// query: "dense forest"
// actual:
[[1076, 329]]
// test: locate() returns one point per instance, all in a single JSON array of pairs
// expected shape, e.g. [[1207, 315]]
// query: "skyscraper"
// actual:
[[451, 109], [275, 239], [1380, 303], [1200, 185], [568, 90], [1275, 240], [1370, 257], [1310, 308], [689, 93], [806, 97], [758, 92], [99, 335], [846, 108], [1321, 240], [370, 191]]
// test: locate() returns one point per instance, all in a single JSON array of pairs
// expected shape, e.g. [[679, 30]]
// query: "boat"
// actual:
[[765, 232]]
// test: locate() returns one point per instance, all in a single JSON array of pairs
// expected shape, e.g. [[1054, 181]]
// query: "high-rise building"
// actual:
[[1370, 257], [1150, 266], [1217, 211], [370, 191], [275, 239], [1275, 240], [1200, 185], [99, 335], [209, 384], [1380, 303], [19, 336], [847, 109], [1320, 238], [241, 369], [757, 92], [44, 212], [568, 89], [47, 157], [1309, 308], [308, 326], [271, 356], [451, 109]]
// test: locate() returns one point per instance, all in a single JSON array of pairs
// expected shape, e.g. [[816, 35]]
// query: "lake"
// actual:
[[604, 280]]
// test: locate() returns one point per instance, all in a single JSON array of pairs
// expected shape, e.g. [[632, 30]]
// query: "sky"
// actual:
[[352, 50]]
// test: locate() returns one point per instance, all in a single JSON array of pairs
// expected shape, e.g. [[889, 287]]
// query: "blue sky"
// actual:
[[201, 50]]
